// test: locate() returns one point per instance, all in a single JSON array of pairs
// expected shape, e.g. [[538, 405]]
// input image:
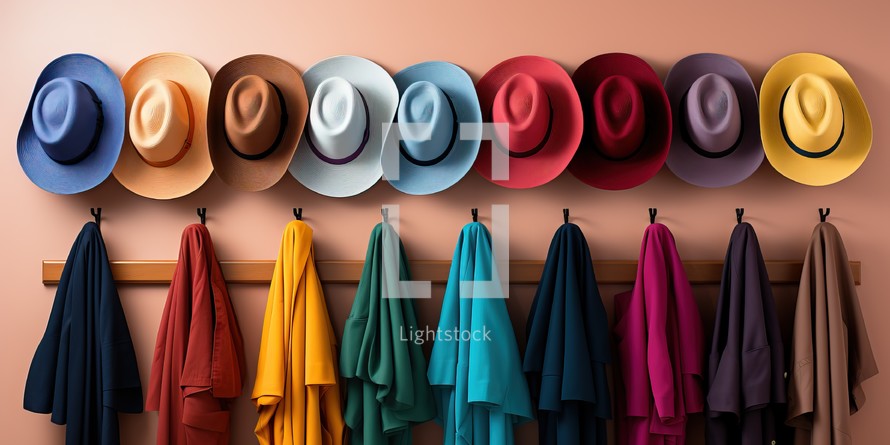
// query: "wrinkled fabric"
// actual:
[[830, 352], [568, 346], [480, 390], [84, 370], [387, 388], [296, 390], [746, 364], [198, 365], [659, 337]]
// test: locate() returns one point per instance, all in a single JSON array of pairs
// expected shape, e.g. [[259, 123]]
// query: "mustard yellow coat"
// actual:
[[296, 391]]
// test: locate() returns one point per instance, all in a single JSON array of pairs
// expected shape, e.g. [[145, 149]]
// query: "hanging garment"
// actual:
[[746, 364], [84, 370], [198, 364], [830, 352], [296, 391], [387, 387], [568, 346], [478, 384], [660, 348]]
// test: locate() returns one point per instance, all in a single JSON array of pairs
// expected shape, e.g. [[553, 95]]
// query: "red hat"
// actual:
[[627, 122], [535, 96]]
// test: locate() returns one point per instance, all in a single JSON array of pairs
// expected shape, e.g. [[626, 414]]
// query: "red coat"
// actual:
[[198, 362]]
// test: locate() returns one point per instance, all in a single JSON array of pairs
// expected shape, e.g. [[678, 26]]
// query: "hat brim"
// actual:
[[259, 174], [565, 134], [95, 167], [744, 160], [857, 139], [193, 170], [415, 179], [380, 93], [591, 167]]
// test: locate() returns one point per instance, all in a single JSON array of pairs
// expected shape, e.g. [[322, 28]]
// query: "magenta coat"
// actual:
[[660, 348]]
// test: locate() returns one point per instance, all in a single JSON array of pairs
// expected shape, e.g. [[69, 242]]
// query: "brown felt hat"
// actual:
[[255, 117]]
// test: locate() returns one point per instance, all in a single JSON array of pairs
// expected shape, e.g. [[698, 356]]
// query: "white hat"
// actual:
[[350, 100]]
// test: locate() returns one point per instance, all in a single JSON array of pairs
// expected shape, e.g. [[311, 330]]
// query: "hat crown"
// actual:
[[338, 118], [430, 118], [253, 113], [66, 119], [160, 122], [712, 115], [522, 103], [812, 113], [619, 116]]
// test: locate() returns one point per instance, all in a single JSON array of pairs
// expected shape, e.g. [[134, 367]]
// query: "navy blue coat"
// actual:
[[84, 370], [568, 346], [746, 364]]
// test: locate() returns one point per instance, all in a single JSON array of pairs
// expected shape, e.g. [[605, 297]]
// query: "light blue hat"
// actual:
[[432, 157], [73, 130]]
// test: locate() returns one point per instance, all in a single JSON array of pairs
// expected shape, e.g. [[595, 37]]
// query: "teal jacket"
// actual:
[[478, 383]]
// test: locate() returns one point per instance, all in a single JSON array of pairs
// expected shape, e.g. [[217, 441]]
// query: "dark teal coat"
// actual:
[[568, 346], [84, 371]]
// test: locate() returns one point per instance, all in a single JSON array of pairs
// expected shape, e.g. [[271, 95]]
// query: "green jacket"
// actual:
[[387, 388]]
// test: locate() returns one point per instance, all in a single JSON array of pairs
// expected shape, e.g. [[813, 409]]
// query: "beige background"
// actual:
[[37, 225]]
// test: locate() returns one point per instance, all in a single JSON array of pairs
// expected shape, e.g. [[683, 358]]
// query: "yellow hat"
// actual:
[[813, 122]]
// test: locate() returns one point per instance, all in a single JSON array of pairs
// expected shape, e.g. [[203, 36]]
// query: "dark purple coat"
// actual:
[[746, 364]]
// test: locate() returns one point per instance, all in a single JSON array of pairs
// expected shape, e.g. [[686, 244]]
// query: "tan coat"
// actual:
[[831, 355]]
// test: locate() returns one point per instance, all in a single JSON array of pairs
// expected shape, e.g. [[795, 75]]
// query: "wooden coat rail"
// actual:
[[349, 272]]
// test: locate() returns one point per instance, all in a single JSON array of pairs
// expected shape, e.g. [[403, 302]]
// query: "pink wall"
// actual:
[[476, 35]]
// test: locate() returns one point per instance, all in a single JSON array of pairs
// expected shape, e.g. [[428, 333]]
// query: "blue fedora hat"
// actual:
[[73, 130], [432, 155]]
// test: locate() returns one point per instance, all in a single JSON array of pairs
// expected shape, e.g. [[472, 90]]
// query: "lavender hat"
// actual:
[[716, 136]]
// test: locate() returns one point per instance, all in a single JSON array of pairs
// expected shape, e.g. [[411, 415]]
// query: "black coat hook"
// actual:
[[823, 213], [97, 214], [202, 213], [298, 213], [565, 215], [385, 212], [738, 214], [652, 212], [475, 213]]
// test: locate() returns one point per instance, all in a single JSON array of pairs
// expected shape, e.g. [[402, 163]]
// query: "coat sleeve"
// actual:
[[442, 371], [268, 388], [487, 359], [321, 367], [47, 377], [159, 366], [320, 363], [802, 374], [42, 380], [196, 368], [122, 389], [756, 355], [862, 365], [689, 329], [661, 368]]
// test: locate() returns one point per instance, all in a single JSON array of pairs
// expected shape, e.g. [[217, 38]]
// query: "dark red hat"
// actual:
[[627, 122], [535, 96]]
